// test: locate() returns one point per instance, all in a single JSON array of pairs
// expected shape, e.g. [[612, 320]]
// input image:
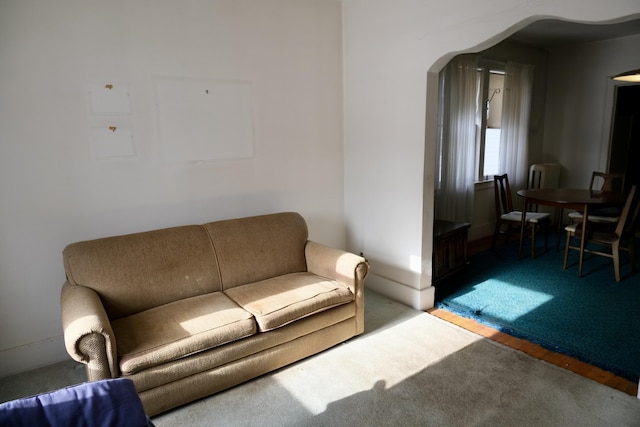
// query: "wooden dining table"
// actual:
[[581, 200]]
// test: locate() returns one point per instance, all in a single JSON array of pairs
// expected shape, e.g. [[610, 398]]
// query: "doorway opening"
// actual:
[[625, 134]]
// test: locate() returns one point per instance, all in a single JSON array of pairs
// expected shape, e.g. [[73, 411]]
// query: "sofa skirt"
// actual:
[[187, 389]]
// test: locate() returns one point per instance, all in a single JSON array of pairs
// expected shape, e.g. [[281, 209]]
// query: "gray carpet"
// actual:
[[409, 368]]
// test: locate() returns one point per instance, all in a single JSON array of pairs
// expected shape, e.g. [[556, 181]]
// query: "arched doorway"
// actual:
[[546, 35]]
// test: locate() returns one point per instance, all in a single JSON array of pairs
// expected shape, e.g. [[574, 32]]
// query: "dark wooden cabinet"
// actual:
[[449, 248]]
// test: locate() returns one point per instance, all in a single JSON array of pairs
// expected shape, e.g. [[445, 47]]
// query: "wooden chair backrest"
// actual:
[[607, 181], [629, 215], [502, 192]]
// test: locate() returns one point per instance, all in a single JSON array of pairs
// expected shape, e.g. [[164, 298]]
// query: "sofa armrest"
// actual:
[[344, 267], [88, 335], [336, 264]]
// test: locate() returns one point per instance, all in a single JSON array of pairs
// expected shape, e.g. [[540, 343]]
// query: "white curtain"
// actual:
[[516, 109], [456, 163]]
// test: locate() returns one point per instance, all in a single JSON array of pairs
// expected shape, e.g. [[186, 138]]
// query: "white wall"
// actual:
[[393, 50], [53, 191], [580, 95]]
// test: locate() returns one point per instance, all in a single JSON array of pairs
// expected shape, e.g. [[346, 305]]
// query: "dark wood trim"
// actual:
[[563, 361]]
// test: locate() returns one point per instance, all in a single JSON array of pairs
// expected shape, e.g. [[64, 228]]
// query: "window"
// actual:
[[489, 123]]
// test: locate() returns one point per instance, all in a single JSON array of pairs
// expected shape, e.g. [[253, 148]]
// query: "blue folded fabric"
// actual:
[[106, 403]]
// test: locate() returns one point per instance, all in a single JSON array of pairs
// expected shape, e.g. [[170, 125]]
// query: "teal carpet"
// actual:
[[593, 318]]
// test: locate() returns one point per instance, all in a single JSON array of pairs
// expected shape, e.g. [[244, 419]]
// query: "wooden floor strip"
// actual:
[[584, 369]]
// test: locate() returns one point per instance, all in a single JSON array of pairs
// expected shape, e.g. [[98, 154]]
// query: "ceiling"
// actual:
[[550, 33]]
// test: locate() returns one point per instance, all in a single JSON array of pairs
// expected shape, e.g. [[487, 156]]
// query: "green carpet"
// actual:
[[593, 318]]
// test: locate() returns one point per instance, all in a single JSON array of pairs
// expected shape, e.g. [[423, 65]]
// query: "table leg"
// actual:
[[559, 213], [583, 238], [524, 218]]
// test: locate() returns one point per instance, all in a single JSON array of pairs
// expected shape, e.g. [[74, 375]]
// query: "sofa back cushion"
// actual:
[[135, 272], [260, 247]]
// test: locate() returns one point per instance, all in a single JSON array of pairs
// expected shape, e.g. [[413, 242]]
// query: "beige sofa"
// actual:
[[188, 311]]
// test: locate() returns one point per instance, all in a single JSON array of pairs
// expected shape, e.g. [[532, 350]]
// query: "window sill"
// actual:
[[483, 185]]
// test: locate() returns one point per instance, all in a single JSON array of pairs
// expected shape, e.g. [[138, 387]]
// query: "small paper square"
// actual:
[[112, 141]]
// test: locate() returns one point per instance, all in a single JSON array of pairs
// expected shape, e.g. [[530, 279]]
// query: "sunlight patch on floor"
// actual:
[[524, 300], [375, 361]]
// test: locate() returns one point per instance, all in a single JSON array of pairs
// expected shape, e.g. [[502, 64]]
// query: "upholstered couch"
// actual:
[[188, 311]]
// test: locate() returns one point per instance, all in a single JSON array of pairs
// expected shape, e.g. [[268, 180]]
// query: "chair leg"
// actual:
[[533, 241], [615, 250], [566, 249]]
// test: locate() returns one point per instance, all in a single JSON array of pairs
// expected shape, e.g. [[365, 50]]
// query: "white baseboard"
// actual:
[[32, 356], [415, 298]]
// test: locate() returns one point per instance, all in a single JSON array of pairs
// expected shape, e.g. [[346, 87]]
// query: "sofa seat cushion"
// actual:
[[172, 331], [280, 300]]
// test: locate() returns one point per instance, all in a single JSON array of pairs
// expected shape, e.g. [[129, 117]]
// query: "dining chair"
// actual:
[[611, 242], [509, 221], [606, 182]]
